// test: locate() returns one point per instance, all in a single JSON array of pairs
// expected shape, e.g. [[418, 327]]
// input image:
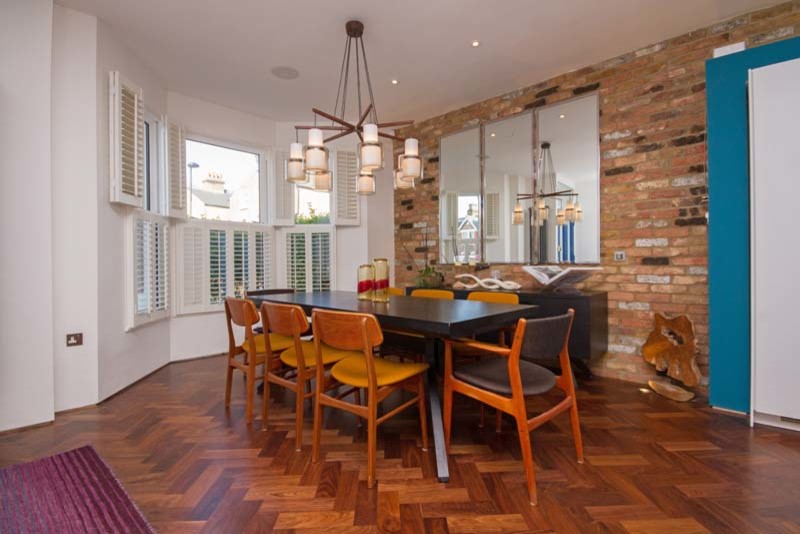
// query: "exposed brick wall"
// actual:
[[652, 179]]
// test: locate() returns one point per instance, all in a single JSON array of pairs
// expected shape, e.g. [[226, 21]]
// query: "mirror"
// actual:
[[460, 217], [571, 129], [508, 171], [487, 179]]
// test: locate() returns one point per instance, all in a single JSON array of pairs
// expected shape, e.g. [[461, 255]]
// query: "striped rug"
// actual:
[[74, 491]]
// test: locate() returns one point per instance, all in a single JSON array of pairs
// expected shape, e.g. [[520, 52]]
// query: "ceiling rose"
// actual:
[[312, 160], [284, 72]]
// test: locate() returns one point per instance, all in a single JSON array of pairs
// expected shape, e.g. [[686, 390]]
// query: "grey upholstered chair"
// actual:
[[504, 381]]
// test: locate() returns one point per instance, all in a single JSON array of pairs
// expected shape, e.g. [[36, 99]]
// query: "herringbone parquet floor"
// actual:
[[652, 466]]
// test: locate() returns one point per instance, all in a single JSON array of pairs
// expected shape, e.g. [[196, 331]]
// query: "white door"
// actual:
[[775, 243]]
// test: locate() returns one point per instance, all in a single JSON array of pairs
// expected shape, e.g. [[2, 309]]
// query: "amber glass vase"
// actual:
[[380, 292], [366, 281]]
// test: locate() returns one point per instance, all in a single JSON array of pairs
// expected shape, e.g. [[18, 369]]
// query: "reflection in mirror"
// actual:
[[508, 171], [569, 224], [459, 197]]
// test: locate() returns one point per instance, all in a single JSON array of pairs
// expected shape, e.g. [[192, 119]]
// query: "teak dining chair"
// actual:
[[380, 377], [442, 294], [297, 364], [396, 291], [243, 313], [504, 382], [499, 298]]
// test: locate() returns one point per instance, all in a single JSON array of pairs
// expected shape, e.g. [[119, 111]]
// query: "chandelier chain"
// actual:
[[341, 79], [358, 75], [369, 85]]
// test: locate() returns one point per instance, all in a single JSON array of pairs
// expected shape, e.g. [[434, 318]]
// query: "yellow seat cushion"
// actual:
[[329, 354], [276, 341], [353, 371]]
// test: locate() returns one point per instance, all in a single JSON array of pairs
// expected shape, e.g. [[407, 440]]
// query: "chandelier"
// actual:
[[548, 188], [310, 163]]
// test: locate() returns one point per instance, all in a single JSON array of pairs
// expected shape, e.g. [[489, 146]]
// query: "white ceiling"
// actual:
[[222, 50]]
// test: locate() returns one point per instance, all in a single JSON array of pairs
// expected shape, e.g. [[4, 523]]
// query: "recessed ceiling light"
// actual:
[[284, 73], [562, 116], [493, 135], [394, 82], [476, 44]]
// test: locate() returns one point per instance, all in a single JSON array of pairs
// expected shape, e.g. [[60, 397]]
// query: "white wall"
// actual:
[[26, 287], [74, 122], [124, 357]]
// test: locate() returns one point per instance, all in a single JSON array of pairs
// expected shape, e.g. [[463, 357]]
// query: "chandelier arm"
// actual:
[[338, 135], [369, 84], [346, 76], [333, 118], [364, 116], [303, 127], [395, 123], [341, 77], [390, 136]]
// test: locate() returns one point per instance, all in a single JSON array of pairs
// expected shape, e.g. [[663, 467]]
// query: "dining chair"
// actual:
[[254, 348], [295, 366], [249, 293], [504, 382], [499, 298], [361, 332], [442, 294], [396, 291]]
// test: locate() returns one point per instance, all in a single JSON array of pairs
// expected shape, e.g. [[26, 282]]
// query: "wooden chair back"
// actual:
[[396, 291], [494, 296], [284, 319], [543, 339], [240, 312], [441, 294]]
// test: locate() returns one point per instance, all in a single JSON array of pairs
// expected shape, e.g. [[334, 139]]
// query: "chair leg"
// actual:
[[228, 382], [372, 445], [251, 388], [265, 400], [299, 404], [317, 428], [423, 411], [498, 421], [527, 455], [448, 411], [576, 429]]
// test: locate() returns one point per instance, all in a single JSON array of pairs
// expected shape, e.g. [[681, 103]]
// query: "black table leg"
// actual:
[[442, 469]]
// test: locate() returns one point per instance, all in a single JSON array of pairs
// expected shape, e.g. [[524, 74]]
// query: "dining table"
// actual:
[[431, 319]]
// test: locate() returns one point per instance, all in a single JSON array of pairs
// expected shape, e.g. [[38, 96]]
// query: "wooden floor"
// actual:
[[652, 466]]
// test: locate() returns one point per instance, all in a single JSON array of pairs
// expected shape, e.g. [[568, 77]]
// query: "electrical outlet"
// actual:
[[619, 255], [73, 340]]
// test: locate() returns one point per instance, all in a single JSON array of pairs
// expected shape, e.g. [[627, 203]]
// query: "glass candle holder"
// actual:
[[366, 280], [380, 293]]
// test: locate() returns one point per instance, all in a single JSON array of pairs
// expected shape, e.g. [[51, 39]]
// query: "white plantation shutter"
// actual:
[[346, 212], [241, 262], [192, 251], [217, 266], [126, 141], [321, 261], [296, 260], [147, 294], [262, 255], [176, 169], [492, 215], [283, 199]]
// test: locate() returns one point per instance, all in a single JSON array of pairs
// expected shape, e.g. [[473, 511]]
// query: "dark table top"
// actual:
[[431, 317]]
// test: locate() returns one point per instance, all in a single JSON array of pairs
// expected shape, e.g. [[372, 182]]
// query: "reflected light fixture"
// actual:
[[517, 216], [315, 156]]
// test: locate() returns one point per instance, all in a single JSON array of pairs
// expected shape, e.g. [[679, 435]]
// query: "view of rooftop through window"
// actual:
[[224, 184]]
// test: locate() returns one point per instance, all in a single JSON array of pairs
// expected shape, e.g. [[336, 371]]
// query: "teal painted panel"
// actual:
[[729, 220]]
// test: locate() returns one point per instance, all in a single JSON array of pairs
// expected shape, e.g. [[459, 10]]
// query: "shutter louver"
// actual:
[[176, 170], [193, 251], [320, 261], [141, 265], [241, 262], [284, 192], [217, 266], [126, 144], [147, 276], [263, 260], [492, 215], [346, 200], [296, 261], [160, 266]]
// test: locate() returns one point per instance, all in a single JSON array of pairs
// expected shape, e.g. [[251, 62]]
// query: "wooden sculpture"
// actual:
[[671, 347]]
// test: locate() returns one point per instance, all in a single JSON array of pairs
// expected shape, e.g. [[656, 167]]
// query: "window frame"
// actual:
[[154, 198], [264, 160]]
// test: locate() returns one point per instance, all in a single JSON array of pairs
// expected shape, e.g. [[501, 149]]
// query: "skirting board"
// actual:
[[776, 421]]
